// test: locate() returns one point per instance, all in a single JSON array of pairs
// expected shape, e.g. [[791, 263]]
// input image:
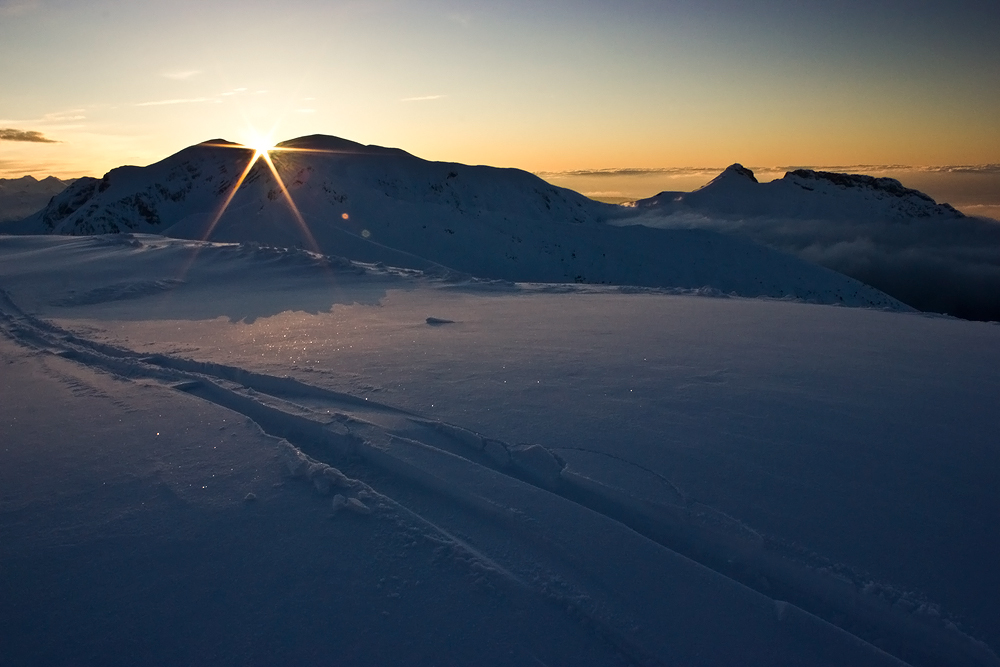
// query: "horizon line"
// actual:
[[986, 168]]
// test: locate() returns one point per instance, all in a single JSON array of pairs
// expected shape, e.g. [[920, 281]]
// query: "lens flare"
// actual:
[[261, 149], [232, 190], [303, 227]]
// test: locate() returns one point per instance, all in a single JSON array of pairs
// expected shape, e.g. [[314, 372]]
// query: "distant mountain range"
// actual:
[[20, 197], [897, 239], [375, 204], [803, 194]]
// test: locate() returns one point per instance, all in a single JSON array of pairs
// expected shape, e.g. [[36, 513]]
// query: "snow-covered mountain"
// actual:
[[803, 193], [376, 204], [20, 197], [900, 240]]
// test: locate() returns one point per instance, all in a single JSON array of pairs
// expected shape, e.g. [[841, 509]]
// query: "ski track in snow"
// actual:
[[416, 471]]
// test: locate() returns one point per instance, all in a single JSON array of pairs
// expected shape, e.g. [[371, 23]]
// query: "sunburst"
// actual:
[[261, 149]]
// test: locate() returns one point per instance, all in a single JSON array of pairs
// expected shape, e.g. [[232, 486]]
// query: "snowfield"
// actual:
[[237, 454]]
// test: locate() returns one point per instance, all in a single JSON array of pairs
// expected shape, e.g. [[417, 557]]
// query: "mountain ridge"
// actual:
[[886, 235], [20, 197], [801, 193], [377, 204]]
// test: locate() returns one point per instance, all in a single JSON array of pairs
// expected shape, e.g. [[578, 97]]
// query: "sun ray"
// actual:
[[303, 227], [225, 204], [232, 192], [261, 150]]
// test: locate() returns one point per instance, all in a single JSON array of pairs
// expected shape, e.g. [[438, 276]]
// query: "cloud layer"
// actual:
[[873, 169], [936, 265], [32, 136]]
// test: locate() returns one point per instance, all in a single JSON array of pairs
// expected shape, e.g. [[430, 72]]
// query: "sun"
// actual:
[[261, 144], [262, 147]]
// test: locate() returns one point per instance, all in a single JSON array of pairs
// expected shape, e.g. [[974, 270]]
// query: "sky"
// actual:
[[542, 86]]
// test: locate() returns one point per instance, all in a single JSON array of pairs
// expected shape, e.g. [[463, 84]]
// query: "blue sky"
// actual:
[[541, 86]]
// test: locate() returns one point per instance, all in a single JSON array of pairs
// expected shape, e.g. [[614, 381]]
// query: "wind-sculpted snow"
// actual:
[[477, 495], [379, 205], [897, 239], [118, 291], [183, 268]]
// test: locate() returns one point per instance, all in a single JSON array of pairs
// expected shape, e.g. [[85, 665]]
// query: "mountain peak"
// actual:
[[737, 169], [733, 175]]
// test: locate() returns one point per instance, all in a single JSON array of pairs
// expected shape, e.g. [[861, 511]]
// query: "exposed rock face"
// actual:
[[742, 171]]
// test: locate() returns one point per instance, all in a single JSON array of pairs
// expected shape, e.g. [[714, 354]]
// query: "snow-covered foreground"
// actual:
[[241, 455]]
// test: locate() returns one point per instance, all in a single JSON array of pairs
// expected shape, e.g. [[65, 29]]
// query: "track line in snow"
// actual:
[[321, 434], [413, 448]]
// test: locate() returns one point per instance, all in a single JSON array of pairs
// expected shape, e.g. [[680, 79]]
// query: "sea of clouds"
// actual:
[[950, 267]]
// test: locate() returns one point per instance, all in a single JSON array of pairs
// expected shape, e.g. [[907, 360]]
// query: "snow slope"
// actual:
[[250, 455], [376, 204], [894, 238]]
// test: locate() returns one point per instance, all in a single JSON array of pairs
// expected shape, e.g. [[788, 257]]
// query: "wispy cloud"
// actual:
[[17, 7], [635, 171], [305, 111], [423, 98], [963, 169], [186, 100], [57, 118], [64, 116], [461, 19], [181, 75], [31, 136], [889, 168], [234, 91]]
